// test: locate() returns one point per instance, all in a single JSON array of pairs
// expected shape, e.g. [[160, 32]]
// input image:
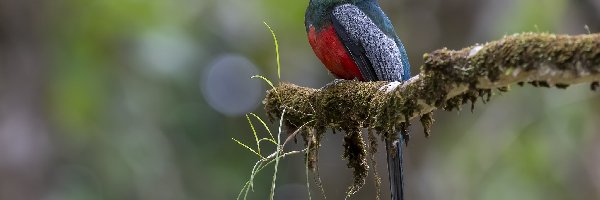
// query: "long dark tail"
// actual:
[[394, 159]]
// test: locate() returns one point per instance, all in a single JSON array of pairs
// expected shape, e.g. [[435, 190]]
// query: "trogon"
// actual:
[[355, 40]]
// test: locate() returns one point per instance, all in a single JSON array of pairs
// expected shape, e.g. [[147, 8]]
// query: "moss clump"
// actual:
[[372, 151], [355, 151], [427, 121]]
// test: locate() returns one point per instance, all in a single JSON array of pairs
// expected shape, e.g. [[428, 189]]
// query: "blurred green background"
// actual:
[[139, 99]]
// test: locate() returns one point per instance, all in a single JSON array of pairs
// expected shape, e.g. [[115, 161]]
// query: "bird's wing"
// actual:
[[356, 51], [386, 26], [376, 54]]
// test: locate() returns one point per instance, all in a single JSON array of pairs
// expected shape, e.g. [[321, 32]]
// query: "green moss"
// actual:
[[356, 153], [372, 151], [427, 121]]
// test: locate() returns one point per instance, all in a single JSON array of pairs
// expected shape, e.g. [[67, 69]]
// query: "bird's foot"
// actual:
[[333, 83]]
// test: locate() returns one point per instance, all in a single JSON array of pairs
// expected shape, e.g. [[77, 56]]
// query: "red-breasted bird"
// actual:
[[354, 39]]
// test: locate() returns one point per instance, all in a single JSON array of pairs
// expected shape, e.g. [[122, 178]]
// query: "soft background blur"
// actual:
[[139, 99]]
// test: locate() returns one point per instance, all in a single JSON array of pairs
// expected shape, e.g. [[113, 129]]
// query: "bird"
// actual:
[[355, 40]]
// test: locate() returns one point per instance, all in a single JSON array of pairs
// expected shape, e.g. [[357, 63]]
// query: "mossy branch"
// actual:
[[448, 79]]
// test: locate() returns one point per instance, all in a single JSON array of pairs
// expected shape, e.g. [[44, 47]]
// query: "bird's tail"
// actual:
[[394, 159]]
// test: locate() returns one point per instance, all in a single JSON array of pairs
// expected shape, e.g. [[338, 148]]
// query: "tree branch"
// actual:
[[447, 80]]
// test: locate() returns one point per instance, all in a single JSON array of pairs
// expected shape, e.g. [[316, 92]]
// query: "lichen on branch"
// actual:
[[448, 79]]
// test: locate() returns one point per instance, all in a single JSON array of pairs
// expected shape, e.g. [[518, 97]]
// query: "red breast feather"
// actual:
[[330, 50]]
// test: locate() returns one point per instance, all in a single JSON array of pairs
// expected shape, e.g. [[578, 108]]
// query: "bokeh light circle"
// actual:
[[228, 88]]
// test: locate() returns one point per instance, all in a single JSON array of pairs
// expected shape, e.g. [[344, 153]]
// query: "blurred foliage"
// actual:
[[127, 102]]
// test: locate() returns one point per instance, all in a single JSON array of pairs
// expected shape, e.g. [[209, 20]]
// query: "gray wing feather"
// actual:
[[357, 52], [380, 49]]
